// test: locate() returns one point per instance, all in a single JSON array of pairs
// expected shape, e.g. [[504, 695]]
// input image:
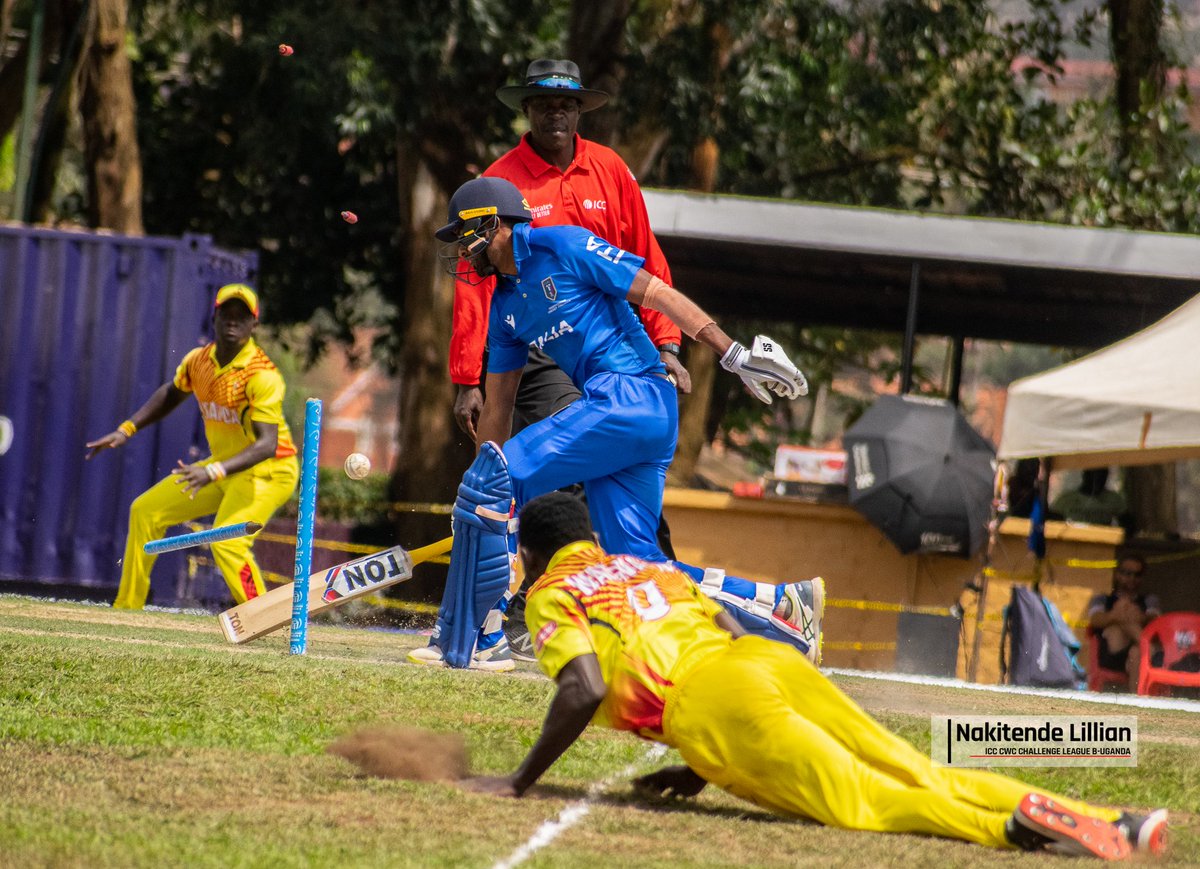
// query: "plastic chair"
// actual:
[[1178, 634], [1099, 678]]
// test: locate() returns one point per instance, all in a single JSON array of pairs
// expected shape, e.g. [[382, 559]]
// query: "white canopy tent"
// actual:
[[1136, 402]]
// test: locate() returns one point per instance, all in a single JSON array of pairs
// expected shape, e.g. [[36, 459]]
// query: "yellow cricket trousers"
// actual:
[[761, 722], [252, 495]]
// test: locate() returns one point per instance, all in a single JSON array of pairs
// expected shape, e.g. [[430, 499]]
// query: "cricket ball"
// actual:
[[357, 466], [349, 217], [286, 50]]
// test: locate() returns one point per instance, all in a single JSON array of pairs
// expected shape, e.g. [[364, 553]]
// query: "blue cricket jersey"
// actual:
[[568, 299]]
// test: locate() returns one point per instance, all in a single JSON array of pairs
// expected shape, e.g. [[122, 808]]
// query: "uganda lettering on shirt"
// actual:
[[232, 397], [210, 410]]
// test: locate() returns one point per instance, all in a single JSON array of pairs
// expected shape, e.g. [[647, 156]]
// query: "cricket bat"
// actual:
[[327, 589]]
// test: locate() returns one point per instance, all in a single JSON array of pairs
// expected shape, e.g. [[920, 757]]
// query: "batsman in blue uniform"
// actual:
[[566, 292]]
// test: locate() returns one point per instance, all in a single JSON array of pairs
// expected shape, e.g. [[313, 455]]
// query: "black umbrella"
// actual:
[[919, 472]]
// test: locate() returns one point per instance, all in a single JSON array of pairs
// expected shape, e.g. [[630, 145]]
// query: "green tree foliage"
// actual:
[[260, 149], [902, 103], [908, 103], [242, 143]]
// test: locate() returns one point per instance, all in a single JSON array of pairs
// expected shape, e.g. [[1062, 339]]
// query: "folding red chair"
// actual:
[[1178, 634], [1098, 678]]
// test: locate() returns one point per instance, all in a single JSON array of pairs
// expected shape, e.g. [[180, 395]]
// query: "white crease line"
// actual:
[[572, 814], [1177, 704]]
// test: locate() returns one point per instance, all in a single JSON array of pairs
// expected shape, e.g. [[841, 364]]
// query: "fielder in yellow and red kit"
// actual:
[[634, 645], [252, 470]]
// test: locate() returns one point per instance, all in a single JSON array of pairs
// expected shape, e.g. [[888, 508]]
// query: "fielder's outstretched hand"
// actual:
[[670, 781], [765, 367], [110, 441]]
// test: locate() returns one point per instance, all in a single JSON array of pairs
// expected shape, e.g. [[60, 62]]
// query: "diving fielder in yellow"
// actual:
[[252, 470], [634, 645]]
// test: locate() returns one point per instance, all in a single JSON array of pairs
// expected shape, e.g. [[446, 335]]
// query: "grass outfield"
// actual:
[[143, 739]]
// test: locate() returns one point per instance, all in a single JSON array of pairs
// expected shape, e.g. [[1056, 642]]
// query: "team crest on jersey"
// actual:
[[549, 289], [544, 634]]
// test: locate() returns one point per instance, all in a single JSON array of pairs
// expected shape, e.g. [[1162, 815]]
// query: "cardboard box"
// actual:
[[807, 465], [813, 493]]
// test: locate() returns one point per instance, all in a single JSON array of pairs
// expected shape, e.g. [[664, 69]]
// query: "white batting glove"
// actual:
[[765, 366]]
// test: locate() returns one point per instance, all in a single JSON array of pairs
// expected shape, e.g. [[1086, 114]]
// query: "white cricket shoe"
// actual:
[[497, 659], [803, 607]]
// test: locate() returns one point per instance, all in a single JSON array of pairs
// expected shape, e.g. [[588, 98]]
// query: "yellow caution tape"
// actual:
[[844, 646], [420, 507], [335, 545], [881, 606]]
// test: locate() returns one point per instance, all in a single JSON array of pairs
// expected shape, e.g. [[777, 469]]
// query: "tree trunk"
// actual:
[[1135, 38], [110, 123], [1150, 498], [433, 452], [64, 30], [12, 89], [701, 362], [596, 32], [693, 415]]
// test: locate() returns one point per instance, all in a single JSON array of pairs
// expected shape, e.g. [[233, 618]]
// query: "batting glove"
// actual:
[[765, 367]]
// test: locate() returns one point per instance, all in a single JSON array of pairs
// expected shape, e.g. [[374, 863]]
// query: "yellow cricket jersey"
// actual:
[[615, 606], [248, 389]]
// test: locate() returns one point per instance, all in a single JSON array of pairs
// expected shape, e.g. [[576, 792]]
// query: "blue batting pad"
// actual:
[[737, 597], [763, 627], [479, 559]]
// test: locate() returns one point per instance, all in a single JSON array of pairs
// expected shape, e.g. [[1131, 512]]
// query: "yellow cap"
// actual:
[[241, 292]]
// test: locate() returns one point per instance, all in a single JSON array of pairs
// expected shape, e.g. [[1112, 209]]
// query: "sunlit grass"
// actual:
[[143, 739]]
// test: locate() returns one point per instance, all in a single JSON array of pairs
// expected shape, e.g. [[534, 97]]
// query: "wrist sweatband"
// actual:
[[215, 471], [681, 310], [127, 428]]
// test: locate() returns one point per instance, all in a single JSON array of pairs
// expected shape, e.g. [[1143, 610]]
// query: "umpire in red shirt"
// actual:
[[566, 180]]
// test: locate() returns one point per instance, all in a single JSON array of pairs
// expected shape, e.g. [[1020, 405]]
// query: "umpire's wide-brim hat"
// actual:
[[482, 198], [548, 78]]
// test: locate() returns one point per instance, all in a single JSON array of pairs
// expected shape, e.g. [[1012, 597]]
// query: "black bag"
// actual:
[[1036, 655], [1189, 663]]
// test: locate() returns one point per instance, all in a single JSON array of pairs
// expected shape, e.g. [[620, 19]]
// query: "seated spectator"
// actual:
[[1118, 618], [1092, 502]]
